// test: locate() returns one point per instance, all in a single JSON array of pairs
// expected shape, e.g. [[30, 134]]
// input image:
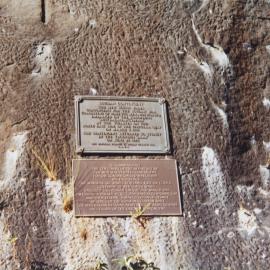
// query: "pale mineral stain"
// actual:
[[203, 5], [217, 53], [214, 176], [266, 103], [222, 114], [257, 211], [265, 176], [12, 156], [230, 234], [93, 23], [206, 69], [66, 230], [43, 59], [7, 260], [93, 92], [266, 146], [264, 192], [247, 222]]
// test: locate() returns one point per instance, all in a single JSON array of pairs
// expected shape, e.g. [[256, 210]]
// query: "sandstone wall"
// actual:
[[209, 59]]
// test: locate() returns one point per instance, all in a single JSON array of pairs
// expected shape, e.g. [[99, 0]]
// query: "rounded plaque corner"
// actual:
[[79, 99], [161, 100], [89, 119], [79, 150]]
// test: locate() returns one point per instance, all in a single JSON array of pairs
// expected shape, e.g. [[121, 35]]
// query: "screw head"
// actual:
[[79, 150], [161, 100], [167, 149], [79, 99]]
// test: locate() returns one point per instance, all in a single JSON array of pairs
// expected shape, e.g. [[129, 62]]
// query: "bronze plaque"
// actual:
[[121, 125], [114, 187]]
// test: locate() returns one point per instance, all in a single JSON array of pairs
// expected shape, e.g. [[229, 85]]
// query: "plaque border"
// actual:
[[128, 215], [81, 150]]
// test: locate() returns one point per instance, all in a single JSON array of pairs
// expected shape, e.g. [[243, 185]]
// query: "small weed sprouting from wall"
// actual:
[[135, 263], [47, 165], [68, 204], [138, 214], [101, 266]]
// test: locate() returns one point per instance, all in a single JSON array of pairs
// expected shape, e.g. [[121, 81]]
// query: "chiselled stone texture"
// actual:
[[209, 59]]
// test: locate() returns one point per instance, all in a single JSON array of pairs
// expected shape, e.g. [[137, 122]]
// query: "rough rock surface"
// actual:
[[209, 59]]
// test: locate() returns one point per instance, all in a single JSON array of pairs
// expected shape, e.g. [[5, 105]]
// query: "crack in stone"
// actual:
[[43, 11]]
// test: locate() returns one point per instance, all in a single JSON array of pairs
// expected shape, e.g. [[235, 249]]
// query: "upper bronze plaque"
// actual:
[[121, 125]]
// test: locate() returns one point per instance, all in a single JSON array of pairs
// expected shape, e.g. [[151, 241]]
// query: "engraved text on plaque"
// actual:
[[110, 187], [121, 125]]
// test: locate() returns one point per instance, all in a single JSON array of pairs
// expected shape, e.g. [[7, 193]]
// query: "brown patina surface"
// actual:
[[113, 187]]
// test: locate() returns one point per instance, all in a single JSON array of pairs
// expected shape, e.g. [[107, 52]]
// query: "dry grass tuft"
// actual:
[[46, 165], [68, 204]]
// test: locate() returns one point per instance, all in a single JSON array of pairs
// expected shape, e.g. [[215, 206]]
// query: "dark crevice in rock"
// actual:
[[43, 11], [3, 204]]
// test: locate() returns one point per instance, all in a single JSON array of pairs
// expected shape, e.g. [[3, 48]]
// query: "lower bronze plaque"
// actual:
[[110, 187]]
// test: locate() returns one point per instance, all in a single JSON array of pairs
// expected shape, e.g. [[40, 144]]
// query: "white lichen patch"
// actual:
[[217, 53], [203, 5], [247, 222], [266, 146], [214, 176], [203, 66], [43, 60], [264, 192], [219, 56], [92, 23], [244, 190], [267, 47], [10, 183], [221, 113], [157, 249], [12, 156], [266, 103], [257, 211], [207, 71], [230, 234], [93, 92], [54, 196], [265, 176], [125, 236], [253, 140]]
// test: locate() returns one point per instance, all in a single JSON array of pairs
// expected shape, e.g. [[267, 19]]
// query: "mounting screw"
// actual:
[[161, 101], [167, 149], [79, 99], [79, 150]]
